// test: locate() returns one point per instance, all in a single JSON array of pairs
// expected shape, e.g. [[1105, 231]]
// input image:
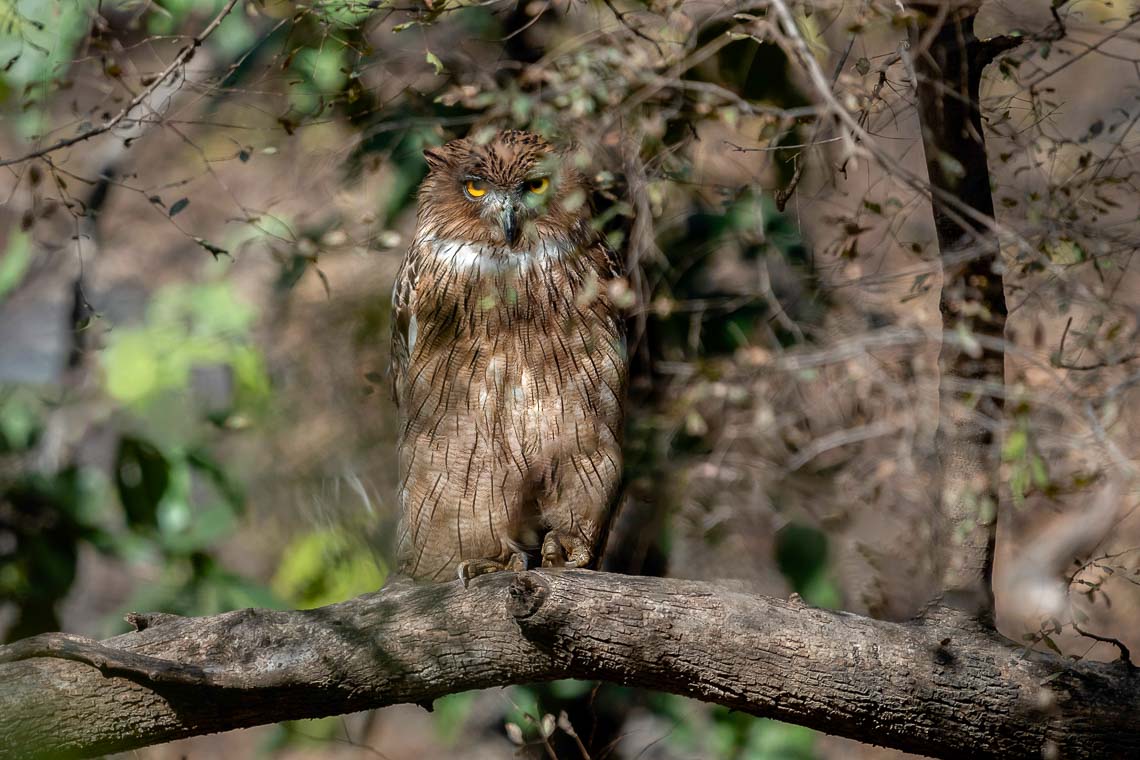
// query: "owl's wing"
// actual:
[[403, 324]]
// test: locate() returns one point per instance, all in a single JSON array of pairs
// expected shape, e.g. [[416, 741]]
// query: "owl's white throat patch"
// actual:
[[463, 254]]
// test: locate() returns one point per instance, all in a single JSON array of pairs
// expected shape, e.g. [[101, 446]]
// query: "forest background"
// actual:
[[194, 295]]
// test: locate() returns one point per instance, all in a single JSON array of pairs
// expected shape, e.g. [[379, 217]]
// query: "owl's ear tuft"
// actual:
[[435, 157]]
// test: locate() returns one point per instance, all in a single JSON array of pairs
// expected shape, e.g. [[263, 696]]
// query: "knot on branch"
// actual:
[[526, 594], [143, 620]]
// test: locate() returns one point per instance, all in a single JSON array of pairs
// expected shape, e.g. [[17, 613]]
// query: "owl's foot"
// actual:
[[472, 568], [565, 550]]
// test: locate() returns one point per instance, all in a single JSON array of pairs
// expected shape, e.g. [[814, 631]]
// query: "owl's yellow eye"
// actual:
[[538, 186], [475, 188]]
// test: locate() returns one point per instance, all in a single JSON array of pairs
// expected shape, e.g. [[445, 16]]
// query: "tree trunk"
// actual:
[[948, 61]]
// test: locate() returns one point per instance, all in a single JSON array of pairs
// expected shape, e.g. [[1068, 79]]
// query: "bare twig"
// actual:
[[1125, 655], [1060, 362], [839, 439], [620, 16]]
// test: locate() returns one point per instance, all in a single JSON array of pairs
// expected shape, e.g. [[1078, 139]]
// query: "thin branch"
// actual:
[[1125, 655], [840, 438], [620, 16], [1060, 362], [179, 61], [785, 193], [774, 148], [954, 208]]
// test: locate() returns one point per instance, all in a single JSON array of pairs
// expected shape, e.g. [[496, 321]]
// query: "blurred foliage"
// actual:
[[43, 519], [292, 735], [747, 223], [723, 733], [169, 502], [37, 43], [17, 256], [743, 737], [187, 326], [189, 375], [186, 377], [450, 715], [327, 566]]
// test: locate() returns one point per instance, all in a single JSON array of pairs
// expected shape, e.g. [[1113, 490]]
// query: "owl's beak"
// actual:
[[509, 218]]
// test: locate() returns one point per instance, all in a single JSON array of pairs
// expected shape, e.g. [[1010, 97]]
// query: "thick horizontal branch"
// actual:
[[942, 686]]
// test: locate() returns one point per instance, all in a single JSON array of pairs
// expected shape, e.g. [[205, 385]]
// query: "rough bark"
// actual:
[[949, 60], [943, 686]]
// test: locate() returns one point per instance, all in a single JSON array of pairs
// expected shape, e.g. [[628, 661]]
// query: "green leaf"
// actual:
[[449, 715], [324, 67], [571, 689], [130, 367], [230, 490], [821, 591], [1016, 444], [433, 59], [234, 35], [772, 740], [202, 529], [14, 262], [1039, 472], [951, 166], [1065, 251], [1019, 482]]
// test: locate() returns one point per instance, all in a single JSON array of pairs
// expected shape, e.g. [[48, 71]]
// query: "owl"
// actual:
[[509, 366]]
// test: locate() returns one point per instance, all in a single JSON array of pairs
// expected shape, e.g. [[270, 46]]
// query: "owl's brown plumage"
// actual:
[[509, 365]]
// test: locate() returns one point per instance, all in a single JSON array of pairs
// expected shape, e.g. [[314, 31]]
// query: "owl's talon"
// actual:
[[562, 550], [472, 568]]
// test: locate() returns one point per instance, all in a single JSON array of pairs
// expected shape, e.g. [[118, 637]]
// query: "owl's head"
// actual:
[[512, 191]]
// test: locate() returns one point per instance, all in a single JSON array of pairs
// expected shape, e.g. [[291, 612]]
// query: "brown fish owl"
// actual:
[[509, 366]]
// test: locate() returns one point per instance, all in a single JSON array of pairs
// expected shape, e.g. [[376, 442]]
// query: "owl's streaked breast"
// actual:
[[510, 369], [503, 333]]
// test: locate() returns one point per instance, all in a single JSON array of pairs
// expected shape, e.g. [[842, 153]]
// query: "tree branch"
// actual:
[[180, 60], [943, 686]]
